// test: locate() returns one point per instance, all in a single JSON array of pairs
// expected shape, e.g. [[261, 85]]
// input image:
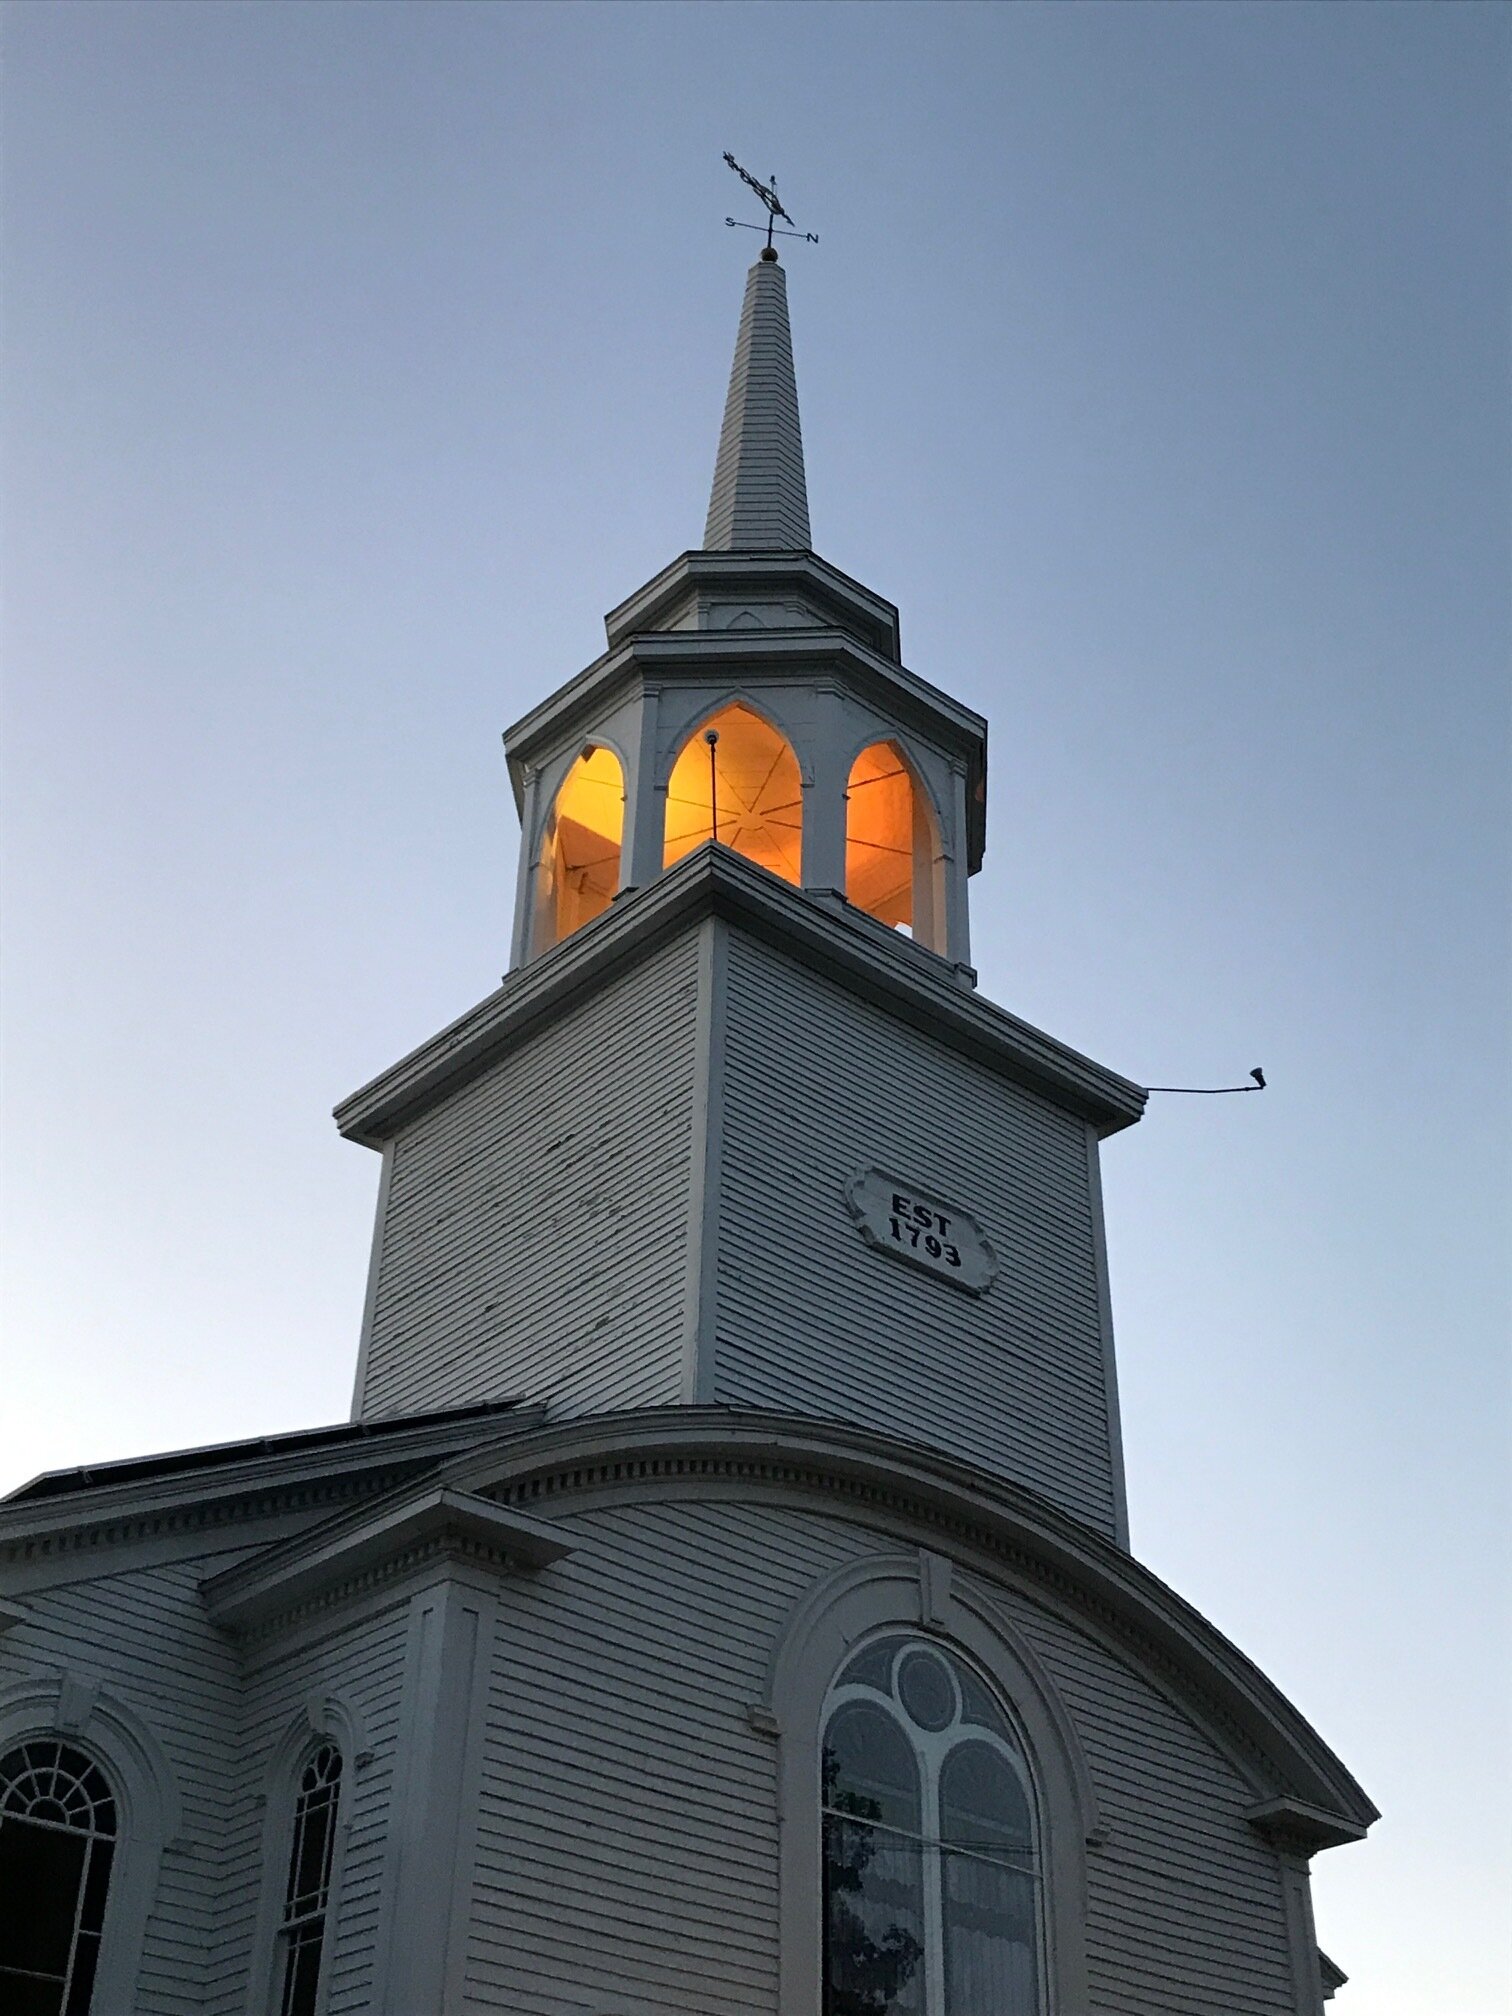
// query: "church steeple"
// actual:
[[759, 501]]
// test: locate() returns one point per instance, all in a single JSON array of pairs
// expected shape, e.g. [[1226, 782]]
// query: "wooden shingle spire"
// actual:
[[760, 497]]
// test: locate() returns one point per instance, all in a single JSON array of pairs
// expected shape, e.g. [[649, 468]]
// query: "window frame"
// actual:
[[931, 1751], [97, 1841], [74, 1709], [297, 1916], [324, 1720], [920, 1593]]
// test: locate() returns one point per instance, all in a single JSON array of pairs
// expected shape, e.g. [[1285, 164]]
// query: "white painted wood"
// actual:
[[820, 1085], [629, 1837], [537, 1222], [759, 499]]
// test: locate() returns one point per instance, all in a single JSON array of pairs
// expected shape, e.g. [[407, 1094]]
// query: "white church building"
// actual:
[[720, 1601]]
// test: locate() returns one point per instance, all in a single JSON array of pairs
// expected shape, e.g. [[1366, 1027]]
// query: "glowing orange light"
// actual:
[[893, 868], [756, 786], [580, 848]]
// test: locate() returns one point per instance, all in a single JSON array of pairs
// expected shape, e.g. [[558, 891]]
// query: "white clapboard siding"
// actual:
[[535, 1233], [1185, 1911], [143, 1636], [818, 1085], [628, 1841], [362, 1663], [628, 1835]]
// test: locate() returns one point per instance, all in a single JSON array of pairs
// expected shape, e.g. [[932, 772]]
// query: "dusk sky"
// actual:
[[1154, 360]]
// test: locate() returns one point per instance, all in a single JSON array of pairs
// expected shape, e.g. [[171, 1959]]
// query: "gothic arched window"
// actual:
[[750, 796], [578, 869], [931, 1865], [307, 1894], [57, 1841], [894, 865]]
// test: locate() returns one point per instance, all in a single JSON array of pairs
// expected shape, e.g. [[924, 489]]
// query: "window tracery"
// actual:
[[58, 1829], [307, 1894], [930, 1845]]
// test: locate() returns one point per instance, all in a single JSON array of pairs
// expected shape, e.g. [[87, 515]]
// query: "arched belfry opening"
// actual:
[[744, 789], [578, 867], [894, 860]]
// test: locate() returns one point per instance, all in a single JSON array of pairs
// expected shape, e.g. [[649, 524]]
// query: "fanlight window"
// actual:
[[307, 1895], [931, 1866], [579, 866], [57, 1841], [749, 796], [894, 866]]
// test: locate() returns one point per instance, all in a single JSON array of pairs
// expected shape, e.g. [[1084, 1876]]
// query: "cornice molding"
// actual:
[[689, 1452], [291, 1578], [269, 1480], [712, 656], [878, 965], [758, 573], [1297, 1827]]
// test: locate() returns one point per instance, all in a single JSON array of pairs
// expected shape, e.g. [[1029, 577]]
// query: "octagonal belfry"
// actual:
[[753, 697]]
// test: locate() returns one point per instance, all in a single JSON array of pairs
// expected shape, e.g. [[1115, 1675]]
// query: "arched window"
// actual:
[[57, 1842], [931, 1866], [307, 1894], [578, 869], [750, 796], [894, 863]]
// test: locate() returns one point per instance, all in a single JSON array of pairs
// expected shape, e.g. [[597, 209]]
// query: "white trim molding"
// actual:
[[74, 1706], [919, 1592], [323, 1718]]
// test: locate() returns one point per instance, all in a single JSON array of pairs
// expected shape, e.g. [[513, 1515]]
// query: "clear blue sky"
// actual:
[[1154, 360]]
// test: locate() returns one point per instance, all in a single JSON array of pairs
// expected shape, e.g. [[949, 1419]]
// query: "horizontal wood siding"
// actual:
[[143, 1636], [818, 1085], [628, 1847], [628, 1828], [362, 1663], [536, 1232], [1186, 1915]]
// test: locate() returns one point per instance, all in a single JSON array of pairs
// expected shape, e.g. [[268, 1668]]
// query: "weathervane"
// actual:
[[767, 191]]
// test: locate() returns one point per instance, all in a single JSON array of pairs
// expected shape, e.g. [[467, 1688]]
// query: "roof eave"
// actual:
[[827, 935]]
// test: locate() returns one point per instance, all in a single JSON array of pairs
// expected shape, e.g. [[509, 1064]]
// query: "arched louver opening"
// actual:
[[578, 868], [931, 1864], [894, 861], [307, 1894], [750, 797], [57, 1842]]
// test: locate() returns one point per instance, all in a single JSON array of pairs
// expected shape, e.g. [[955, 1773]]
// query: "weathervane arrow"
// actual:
[[767, 191]]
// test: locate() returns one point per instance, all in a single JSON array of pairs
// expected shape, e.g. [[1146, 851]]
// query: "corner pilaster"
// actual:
[[428, 1887]]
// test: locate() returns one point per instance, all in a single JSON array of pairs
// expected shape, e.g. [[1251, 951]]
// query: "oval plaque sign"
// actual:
[[916, 1226]]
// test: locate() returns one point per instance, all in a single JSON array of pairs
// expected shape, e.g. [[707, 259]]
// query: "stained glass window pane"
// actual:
[[977, 1705], [982, 1803]]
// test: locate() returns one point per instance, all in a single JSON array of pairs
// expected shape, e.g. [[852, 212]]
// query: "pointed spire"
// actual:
[[760, 499]]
